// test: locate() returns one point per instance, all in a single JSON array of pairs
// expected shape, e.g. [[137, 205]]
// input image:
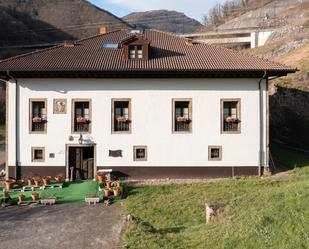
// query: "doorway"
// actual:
[[81, 162]]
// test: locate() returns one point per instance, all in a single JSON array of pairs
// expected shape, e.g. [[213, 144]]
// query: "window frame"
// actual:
[[33, 149], [209, 153], [238, 100], [73, 116], [135, 148], [174, 100], [31, 114], [113, 115]]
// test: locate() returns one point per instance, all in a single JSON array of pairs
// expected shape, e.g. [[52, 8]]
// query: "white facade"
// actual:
[[151, 121]]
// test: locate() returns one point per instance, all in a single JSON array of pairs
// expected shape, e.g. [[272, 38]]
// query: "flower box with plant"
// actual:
[[182, 119], [9, 184], [35, 196], [21, 198], [231, 120], [46, 180], [81, 120], [38, 120], [122, 119], [58, 179]]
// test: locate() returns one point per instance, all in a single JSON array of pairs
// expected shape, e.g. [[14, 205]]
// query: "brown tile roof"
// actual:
[[168, 53]]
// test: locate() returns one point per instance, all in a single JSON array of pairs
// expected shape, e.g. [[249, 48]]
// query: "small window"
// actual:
[[38, 154], [136, 52], [230, 116], [214, 153], [38, 115], [182, 115], [81, 116], [121, 115], [140, 153]]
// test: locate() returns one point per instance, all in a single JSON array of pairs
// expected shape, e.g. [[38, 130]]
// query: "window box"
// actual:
[[182, 119], [122, 120], [38, 120]]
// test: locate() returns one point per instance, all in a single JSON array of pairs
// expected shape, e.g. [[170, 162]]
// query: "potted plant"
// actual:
[[35, 196], [30, 181], [20, 183], [46, 180], [118, 184], [101, 178], [101, 186], [37, 182], [6, 194], [58, 179], [21, 198], [116, 192], [9, 184], [108, 184], [107, 192]]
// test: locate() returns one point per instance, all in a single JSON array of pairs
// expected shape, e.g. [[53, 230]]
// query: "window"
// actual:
[[230, 116], [121, 115], [81, 116], [38, 154], [38, 115], [182, 115], [136, 52], [214, 153], [140, 153]]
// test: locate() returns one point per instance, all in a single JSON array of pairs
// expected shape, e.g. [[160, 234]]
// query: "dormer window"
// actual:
[[136, 47], [136, 52]]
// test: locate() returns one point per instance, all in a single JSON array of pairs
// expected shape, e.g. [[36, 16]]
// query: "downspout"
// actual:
[[261, 152], [16, 124]]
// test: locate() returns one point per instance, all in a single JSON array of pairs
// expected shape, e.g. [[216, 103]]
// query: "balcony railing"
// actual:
[[38, 123], [182, 124], [230, 126], [121, 124]]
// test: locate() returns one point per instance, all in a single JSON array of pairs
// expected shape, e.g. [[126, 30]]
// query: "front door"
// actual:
[[81, 163]]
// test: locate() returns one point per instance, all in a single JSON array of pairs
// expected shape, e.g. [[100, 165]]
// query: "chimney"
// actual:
[[103, 30]]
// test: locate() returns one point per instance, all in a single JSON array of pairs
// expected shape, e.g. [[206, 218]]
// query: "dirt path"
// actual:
[[61, 226]]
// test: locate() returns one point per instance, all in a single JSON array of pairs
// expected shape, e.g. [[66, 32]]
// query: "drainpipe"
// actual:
[[261, 152], [16, 124]]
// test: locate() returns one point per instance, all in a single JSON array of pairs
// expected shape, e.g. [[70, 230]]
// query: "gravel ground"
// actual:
[[62, 226]]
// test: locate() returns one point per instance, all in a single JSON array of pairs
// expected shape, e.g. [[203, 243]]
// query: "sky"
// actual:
[[192, 8]]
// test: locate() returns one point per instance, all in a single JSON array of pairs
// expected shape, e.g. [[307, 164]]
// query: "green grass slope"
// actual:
[[256, 213]]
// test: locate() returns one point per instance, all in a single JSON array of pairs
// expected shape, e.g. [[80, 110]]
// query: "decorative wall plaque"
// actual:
[[115, 153], [60, 106]]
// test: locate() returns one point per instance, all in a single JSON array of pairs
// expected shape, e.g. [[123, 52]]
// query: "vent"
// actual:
[[136, 31], [111, 45]]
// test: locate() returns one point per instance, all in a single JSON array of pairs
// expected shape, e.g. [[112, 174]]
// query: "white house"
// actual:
[[142, 104]]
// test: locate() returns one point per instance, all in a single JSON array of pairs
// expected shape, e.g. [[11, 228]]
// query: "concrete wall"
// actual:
[[151, 121]]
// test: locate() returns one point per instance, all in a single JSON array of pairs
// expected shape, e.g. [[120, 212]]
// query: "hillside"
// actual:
[[169, 21], [289, 96], [49, 21]]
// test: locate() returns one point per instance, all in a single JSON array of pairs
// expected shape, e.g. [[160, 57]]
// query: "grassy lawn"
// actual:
[[257, 212]]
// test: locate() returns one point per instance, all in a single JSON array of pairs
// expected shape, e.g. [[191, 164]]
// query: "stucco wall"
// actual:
[[151, 121]]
